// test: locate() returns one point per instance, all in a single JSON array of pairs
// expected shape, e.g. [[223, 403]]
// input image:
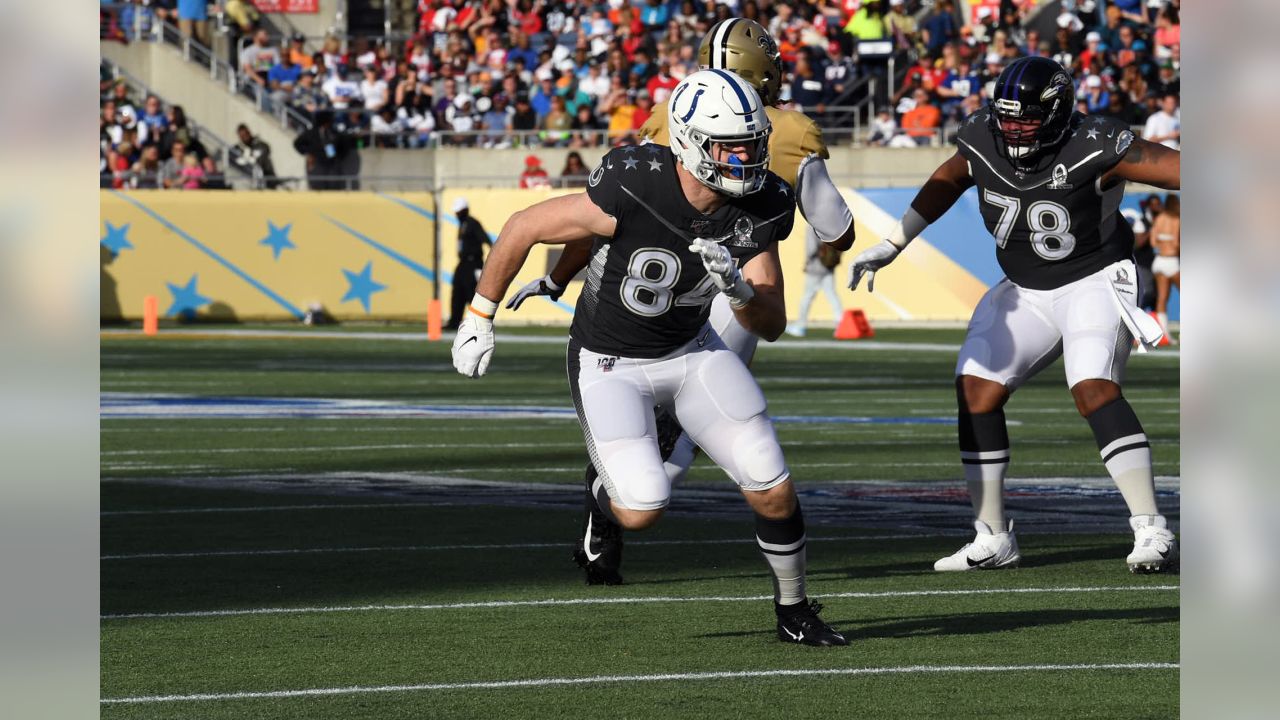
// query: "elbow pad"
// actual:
[[820, 202]]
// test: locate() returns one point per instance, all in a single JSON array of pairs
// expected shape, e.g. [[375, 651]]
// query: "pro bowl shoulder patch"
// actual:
[[1123, 142]]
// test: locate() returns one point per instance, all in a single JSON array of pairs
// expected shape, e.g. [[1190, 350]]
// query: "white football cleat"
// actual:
[[1155, 549], [988, 551]]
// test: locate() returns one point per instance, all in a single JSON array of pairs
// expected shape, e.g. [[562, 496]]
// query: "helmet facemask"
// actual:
[[1034, 117], [733, 165]]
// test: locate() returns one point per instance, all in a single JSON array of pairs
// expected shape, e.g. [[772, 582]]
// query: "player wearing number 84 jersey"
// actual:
[[1049, 184], [671, 226]]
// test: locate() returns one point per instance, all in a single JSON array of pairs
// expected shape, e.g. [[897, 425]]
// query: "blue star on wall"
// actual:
[[186, 300], [277, 239], [117, 238], [362, 285]]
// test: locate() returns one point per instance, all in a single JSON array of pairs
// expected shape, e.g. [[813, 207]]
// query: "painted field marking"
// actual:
[[665, 677], [622, 601], [494, 546]]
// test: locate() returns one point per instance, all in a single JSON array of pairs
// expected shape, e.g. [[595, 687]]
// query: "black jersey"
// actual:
[[1057, 224], [646, 293]]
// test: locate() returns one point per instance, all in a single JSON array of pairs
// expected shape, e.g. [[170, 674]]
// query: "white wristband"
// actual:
[[912, 224], [483, 306], [741, 294], [552, 284]]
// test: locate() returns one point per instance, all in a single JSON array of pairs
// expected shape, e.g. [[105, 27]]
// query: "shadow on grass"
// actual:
[[980, 623]]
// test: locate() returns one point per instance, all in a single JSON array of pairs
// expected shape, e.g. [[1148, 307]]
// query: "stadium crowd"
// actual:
[[567, 73]]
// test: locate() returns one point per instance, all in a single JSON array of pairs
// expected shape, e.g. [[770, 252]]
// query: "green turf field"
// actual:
[[304, 526]]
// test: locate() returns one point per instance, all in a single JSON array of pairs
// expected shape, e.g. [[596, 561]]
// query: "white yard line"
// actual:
[[491, 546], [624, 601], [664, 677]]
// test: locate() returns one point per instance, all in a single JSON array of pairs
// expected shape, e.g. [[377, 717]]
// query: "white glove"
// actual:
[[542, 286], [871, 260], [473, 346], [723, 270]]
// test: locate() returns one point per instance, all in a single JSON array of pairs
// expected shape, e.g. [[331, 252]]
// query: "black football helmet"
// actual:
[[1031, 110]]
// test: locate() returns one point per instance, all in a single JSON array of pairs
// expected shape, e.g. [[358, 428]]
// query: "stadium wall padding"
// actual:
[[369, 256]]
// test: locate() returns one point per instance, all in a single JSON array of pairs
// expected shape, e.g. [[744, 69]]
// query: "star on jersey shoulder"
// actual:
[[782, 188], [1093, 134], [631, 163], [629, 149], [654, 165]]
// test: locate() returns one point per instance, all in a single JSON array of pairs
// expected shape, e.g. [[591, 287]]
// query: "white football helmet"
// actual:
[[712, 107]]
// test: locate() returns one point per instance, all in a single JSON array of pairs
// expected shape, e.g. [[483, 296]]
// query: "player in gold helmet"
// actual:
[[797, 154]]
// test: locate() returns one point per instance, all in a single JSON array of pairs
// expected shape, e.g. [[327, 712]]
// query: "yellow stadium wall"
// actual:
[[216, 253]]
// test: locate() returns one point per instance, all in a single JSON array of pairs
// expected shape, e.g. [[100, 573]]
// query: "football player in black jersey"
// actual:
[[671, 226], [797, 154], [1050, 183]]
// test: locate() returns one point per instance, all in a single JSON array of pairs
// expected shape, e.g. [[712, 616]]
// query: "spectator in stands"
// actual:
[[524, 119], [386, 128], [575, 172], [283, 77], [191, 177], [153, 116], [342, 92], [557, 123], [1168, 33], [193, 20], [171, 169], [252, 156], [586, 128], [1120, 108], [868, 22], [921, 123], [940, 27], [534, 176], [214, 179], [1166, 81], [644, 110], [179, 131], [307, 97], [257, 59], [1096, 97], [297, 51], [1165, 126], [900, 26], [808, 89], [145, 173], [1093, 59], [992, 67], [373, 90], [661, 84], [494, 120], [883, 128], [1136, 86], [541, 100], [959, 83]]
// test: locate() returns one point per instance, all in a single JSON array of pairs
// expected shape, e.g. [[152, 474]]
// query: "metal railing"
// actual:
[[205, 135], [146, 28]]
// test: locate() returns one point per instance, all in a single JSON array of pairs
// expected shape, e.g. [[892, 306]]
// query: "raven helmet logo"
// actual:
[[1058, 82], [1123, 142]]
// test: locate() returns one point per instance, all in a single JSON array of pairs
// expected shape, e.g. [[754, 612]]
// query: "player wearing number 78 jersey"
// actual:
[[1050, 183]]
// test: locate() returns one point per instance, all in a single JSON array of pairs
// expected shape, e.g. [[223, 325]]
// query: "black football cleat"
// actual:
[[599, 551], [800, 623], [669, 431]]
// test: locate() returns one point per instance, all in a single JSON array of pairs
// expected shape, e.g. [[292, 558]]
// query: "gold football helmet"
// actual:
[[744, 47]]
